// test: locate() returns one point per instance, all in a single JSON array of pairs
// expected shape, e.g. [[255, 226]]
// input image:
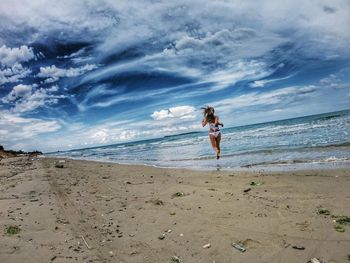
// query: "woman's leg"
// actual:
[[218, 140], [213, 143]]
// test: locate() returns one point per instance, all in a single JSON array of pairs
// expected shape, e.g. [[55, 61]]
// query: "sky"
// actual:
[[76, 74]]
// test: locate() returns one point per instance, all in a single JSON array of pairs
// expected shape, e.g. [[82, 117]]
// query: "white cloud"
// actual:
[[180, 128], [13, 74], [23, 98], [239, 71], [74, 54], [258, 84], [11, 69], [100, 136], [14, 128], [225, 45], [283, 96], [180, 112], [18, 92], [38, 98], [333, 81], [103, 136], [11, 56], [52, 73]]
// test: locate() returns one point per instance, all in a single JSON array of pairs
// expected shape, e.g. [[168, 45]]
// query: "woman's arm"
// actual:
[[204, 122], [217, 121]]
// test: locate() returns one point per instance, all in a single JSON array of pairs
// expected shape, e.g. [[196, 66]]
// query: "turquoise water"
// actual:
[[317, 141]]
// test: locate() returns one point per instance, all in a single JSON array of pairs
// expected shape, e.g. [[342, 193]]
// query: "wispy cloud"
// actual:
[[14, 128], [52, 73], [251, 99]]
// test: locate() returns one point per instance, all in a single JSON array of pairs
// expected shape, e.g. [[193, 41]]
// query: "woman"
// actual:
[[214, 130]]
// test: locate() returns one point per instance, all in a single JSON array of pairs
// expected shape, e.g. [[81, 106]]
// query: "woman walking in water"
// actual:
[[214, 130]]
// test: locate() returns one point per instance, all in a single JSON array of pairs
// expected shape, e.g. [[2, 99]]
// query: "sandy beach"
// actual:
[[80, 211]]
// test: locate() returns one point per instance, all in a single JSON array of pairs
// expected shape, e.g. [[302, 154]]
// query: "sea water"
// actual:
[[318, 141]]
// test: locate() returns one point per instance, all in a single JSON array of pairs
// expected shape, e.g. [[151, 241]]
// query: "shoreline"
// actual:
[[268, 167], [87, 211]]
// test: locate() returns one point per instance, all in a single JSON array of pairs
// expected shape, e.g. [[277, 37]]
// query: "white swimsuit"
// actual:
[[214, 130]]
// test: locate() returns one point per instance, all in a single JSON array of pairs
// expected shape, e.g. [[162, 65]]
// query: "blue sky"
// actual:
[[76, 74]]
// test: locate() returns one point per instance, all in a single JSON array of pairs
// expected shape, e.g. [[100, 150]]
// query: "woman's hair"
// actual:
[[208, 114]]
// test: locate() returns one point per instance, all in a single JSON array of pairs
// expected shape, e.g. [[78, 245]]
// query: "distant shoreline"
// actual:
[[11, 153]]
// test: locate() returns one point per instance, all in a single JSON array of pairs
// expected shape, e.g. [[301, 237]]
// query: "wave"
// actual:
[[268, 151], [325, 118], [299, 161]]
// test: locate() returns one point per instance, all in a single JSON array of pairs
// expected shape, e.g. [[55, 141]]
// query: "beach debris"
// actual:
[[339, 228], [181, 235], [169, 231], [247, 190], [256, 183], [285, 244], [178, 194], [342, 220], [59, 165], [12, 230], [298, 247], [323, 211], [62, 221], [86, 244], [156, 201], [207, 245], [172, 213], [53, 258], [111, 253], [303, 226], [315, 260], [239, 246], [176, 259], [161, 237]]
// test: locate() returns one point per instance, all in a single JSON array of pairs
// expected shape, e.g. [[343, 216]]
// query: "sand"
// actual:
[[101, 212]]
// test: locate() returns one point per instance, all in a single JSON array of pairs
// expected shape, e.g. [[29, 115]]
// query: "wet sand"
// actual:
[[80, 211]]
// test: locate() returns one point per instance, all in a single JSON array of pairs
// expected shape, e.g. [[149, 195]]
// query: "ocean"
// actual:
[[311, 142]]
